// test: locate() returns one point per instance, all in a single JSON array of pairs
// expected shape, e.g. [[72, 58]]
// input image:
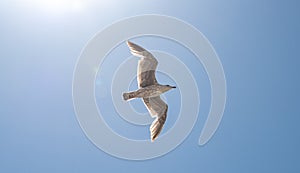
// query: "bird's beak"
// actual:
[[173, 86]]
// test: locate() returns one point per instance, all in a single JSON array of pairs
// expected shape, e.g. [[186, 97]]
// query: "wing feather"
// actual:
[[157, 108], [146, 66]]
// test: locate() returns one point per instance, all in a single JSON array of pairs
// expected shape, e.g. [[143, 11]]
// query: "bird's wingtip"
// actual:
[[128, 42], [153, 138]]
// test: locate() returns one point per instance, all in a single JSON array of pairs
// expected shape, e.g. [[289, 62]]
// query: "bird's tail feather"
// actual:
[[128, 96]]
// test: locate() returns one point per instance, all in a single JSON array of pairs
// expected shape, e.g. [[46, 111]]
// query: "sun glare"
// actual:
[[61, 6]]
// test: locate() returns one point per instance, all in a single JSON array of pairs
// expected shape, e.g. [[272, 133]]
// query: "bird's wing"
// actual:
[[157, 108], [146, 66]]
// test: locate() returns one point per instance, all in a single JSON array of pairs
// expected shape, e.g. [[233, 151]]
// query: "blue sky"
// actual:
[[257, 42]]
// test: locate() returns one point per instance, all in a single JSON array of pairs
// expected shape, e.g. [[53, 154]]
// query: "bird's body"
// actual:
[[149, 89]]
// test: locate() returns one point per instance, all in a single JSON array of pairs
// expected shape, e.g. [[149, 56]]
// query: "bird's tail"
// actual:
[[128, 96]]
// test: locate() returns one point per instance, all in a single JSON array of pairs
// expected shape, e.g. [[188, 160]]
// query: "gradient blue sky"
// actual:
[[257, 42]]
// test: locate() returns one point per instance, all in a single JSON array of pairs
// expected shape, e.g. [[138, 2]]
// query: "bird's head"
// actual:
[[168, 87]]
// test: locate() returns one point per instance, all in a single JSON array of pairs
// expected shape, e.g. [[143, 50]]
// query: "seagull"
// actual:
[[149, 89]]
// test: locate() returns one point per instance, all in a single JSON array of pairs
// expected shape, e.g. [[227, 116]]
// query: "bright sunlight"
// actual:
[[60, 6]]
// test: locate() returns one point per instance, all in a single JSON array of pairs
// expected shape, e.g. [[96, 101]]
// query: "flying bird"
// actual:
[[149, 89]]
